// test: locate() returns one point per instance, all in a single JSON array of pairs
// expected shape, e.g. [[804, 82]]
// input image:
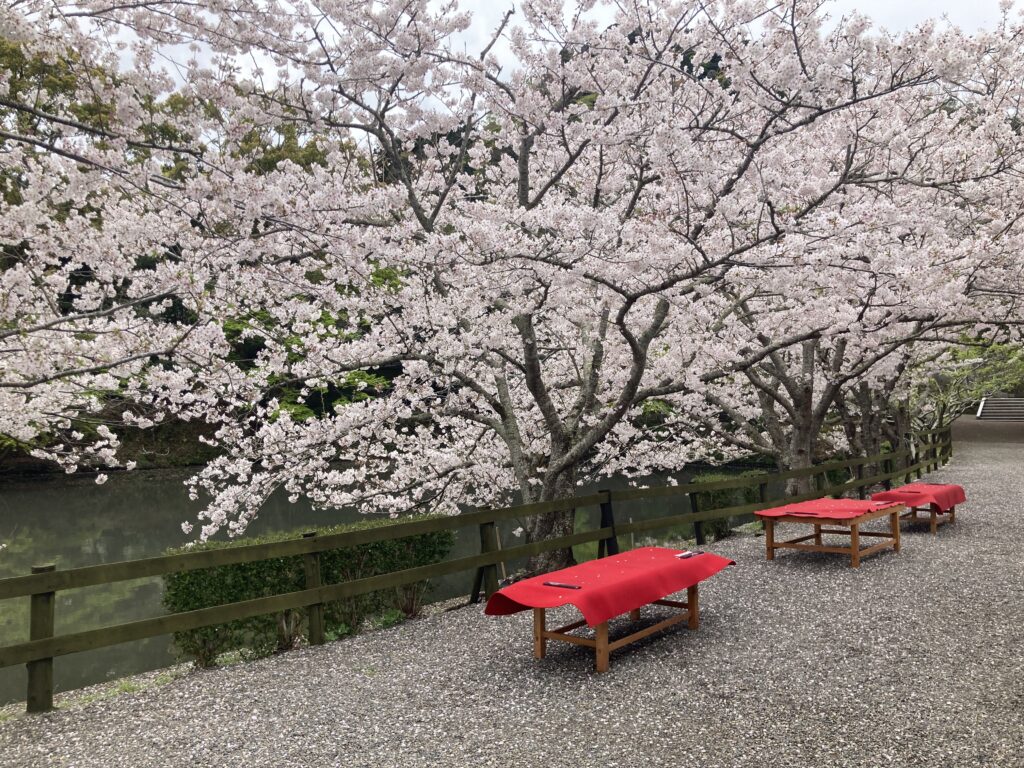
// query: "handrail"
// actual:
[[41, 586]]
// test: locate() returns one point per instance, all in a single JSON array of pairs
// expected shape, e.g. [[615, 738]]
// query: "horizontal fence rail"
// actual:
[[930, 450]]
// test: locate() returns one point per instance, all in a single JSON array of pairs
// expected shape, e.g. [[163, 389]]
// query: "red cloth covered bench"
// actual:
[[607, 587], [845, 515], [938, 499]]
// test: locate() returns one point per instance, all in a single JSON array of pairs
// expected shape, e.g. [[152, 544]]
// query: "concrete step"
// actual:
[[1001, 409]]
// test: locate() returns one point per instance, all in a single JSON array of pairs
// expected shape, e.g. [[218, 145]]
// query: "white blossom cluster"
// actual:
[[686, 233]]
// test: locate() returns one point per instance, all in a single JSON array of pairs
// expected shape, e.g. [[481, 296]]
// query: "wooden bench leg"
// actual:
[[601, 648], [952, 514], [693, 607], [894, 529], [935, 522], [540, 643], [769, 538], [817, 535], [634, 615], [854, 546]]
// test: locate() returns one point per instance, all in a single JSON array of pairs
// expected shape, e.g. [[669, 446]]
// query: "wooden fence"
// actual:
[[928, 451]]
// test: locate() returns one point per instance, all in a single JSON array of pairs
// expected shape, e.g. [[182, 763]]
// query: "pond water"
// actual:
[[71, 521]]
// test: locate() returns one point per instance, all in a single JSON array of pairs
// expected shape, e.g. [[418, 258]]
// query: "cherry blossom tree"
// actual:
[[883, 268], [499, 277], [865, 319]]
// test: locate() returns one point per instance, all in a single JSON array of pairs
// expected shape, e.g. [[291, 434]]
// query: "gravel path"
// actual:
[[915, 659]]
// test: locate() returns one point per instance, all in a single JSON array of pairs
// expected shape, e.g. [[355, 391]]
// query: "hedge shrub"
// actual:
[[263, 635], [720, 499], [834, 477]]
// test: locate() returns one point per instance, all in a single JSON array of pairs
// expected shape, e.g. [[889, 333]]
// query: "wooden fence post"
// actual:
[[40, 672], [887, 470], [314, 579], [762, 495], [610, 545], [486, 577], [698, 527], [862, 492]]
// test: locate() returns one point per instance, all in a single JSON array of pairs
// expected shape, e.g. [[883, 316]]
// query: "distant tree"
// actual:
[[955, 381]]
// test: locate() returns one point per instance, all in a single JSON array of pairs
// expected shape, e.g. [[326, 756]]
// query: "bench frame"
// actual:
[[847, 527], [689, 612], [938, 516]]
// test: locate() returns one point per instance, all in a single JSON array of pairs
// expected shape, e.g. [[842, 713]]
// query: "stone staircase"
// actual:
[[1001, 409]]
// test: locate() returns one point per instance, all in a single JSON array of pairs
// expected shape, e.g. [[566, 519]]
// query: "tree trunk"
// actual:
[[871, 405], [551, 525], [897, 428], [799, 454]]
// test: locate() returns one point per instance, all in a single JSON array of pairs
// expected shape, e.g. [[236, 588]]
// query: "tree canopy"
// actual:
[[612, 250]]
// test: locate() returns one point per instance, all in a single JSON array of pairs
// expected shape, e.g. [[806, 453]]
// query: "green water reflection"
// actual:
[[71, 521]]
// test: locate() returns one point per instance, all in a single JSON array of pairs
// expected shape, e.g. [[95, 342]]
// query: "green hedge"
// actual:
[[720, 499], [263, 635], [834, 477]]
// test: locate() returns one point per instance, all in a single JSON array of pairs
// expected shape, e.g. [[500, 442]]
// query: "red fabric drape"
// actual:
[[610, 586], [942, 497], [828, 509]]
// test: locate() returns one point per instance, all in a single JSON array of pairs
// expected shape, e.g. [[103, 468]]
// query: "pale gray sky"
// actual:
[[969, 15], [894, 15]]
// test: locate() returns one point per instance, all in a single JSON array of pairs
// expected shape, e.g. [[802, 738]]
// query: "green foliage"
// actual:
[[267, 148], [42, 93], [263, 635], [45, 85], [248, 334], [386, 277], [10, 443], [655, 407], [965, 375], [296, 410]]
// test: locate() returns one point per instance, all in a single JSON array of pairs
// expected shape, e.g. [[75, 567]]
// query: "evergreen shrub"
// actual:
[[720, 499], [264, 635]]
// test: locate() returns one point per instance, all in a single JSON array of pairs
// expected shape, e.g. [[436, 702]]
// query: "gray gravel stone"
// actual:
[[915, 659]]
